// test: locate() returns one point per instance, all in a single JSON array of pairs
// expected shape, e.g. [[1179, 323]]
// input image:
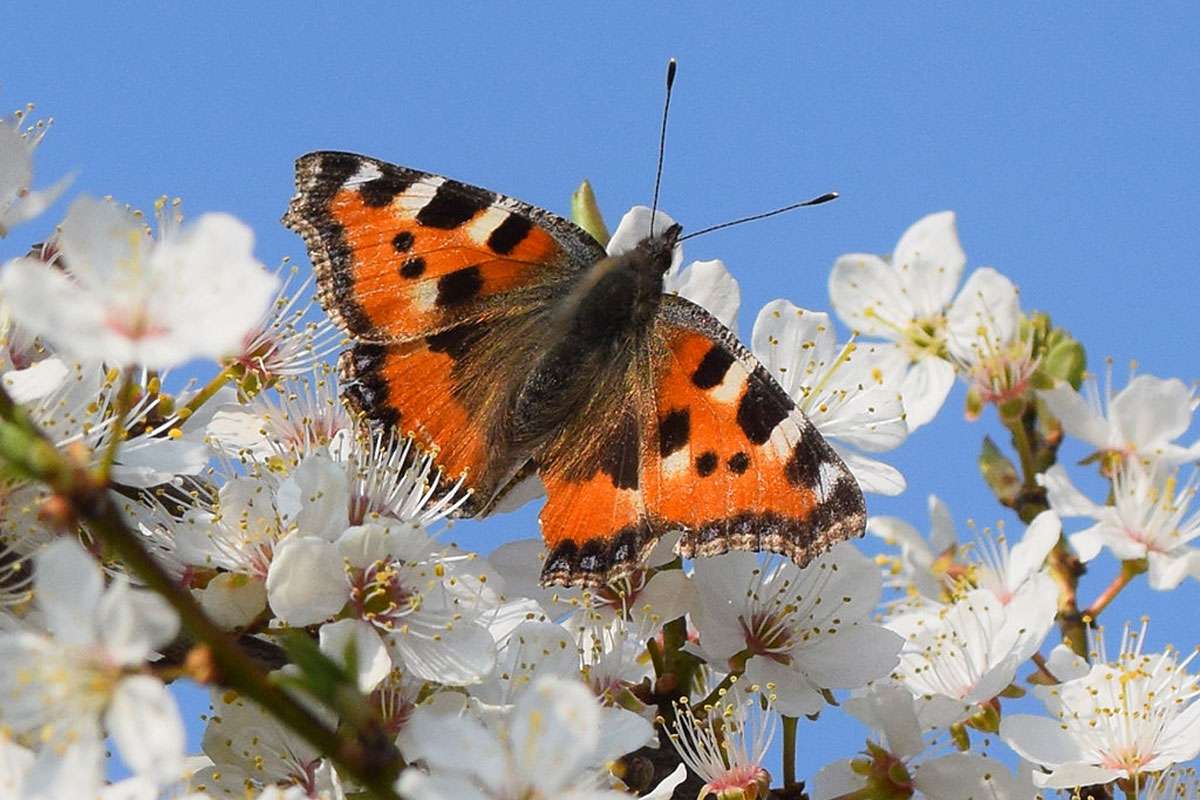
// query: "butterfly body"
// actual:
[[504, 339]]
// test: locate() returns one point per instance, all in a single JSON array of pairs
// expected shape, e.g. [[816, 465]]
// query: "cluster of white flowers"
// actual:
[[280, 516]]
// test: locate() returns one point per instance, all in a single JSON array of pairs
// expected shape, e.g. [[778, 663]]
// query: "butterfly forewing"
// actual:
[[401, 253]]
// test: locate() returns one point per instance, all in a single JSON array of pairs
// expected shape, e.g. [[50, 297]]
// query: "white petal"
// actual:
[[1064, 498], [1150, 411], [460, 655], [925, 388], [943, 534], [370, 655], [416, 785], [1078, 417], [959, 775], [888, 708], [794, 696], [1070, 776], [155, 461], [1167, 570], [1040, 740], [851, 657], [554, 731], [233, 599], [873, 475], [930, 261], [442, 742], [37, 381], [316, 495], [635, 226], [1088, 543], [213, 253], [793, 343], [1065, 664], [836, 780], [305, 582], [621, 732], [710, 285], [47, 303], [665, 790], [1181, 739], [68, 585], [1028, 555], [984, 315], [869, 296], [145, 723]]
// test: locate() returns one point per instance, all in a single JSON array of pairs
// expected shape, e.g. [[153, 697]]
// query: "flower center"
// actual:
[[380, 595], [925, 336], [769, 633]]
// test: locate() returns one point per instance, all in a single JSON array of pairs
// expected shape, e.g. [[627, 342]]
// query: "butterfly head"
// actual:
[[656, 251]]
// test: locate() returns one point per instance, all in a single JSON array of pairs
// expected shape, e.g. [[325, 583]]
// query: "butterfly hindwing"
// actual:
[[401, 253], [737, 465]]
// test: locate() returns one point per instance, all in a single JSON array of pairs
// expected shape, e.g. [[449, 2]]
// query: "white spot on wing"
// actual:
[[730, 389], [366, 172], [424, 295], [415, 197], [828, 474], [677, 462], [481, 228], [784, 437]]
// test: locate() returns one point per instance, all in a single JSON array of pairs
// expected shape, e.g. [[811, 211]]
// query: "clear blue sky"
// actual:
[[1067, 138]]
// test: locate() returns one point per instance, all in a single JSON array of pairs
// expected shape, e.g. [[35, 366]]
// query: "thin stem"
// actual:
[[1024, 449], [1129, 571], [737, 667], [1040, 661], [789, 751]]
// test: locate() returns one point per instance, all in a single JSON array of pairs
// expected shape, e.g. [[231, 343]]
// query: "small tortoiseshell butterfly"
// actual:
[[503, 338]]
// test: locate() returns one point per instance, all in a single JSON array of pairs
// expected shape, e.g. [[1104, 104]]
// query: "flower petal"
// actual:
[[869, 296], [145, 723], [554, 731], [930, 262], [984, 315], [1029, 554], [370, 655], [305, 582], [1078, 417], [1150, 411], [710, 285], [925, 389], [68, 585]]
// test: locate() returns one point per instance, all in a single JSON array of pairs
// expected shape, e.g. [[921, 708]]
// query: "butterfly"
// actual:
[[503, 339]]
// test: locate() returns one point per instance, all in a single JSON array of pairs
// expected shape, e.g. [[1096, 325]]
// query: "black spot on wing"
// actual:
[[380, 191], [713, 366], [452, 205], [459, 286], [738, 463], [402, 242], [413, 267], [706, 463], [456, 342], [619, 458], [803, 467], [509, 234], [763, 405], [366, 390], [673, 431]]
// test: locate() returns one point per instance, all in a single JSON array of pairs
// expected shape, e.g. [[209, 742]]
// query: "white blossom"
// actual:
[[77, 681], [1150, 518], [726, 742], [920, 569], [549, 746], [851, 393], [1125, 718], [962, 655], [892, 758], [910, 299], [19, 202], [1142, 421], [800, 630], [125, 298]]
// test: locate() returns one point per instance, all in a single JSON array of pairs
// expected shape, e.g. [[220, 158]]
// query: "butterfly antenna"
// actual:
[[816, 201], [662, 142]]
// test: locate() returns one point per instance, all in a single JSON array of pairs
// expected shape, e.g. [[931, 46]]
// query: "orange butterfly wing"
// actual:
[[723, 455], [440, 283]]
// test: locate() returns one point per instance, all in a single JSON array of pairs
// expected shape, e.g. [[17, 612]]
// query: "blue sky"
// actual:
[[1067, 139]]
